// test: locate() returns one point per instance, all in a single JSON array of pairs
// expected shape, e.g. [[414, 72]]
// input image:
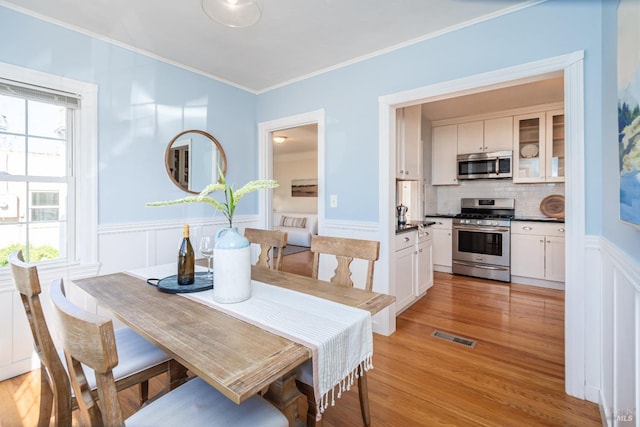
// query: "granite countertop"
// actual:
[[410, 226], [441, 215]]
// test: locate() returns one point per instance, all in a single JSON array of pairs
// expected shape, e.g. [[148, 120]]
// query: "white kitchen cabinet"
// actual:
[[445, 151], [424, 261], [406, 261], [471, 137], [498, 134], [442, 243], [555, 146], [486, 136], [409, 143], [537, 253], [554, 258], [538, 147]]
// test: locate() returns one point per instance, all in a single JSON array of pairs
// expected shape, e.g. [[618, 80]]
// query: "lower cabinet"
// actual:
[[414, 267], [424, 267], [442, 243], [537, 253]]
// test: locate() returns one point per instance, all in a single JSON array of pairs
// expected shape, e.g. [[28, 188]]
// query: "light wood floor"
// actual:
[[513, 376]]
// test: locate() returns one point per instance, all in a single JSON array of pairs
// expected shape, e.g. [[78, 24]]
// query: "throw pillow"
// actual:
[[288, 221]]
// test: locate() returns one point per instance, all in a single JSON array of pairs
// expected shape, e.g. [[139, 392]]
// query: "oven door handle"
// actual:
[[484, 266], [481, 229]]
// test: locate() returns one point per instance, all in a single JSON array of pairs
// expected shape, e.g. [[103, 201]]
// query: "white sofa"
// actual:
[[299, 226]]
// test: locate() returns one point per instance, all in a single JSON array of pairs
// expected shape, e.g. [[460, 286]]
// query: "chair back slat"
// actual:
[[345, 250], [89, 339], [26, 281], [268, 240]]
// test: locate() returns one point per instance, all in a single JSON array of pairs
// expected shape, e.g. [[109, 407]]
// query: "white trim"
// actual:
[[572, 66], [265, 159]]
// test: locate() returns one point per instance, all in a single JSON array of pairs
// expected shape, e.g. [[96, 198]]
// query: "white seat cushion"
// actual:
[[196, 403], [135, 354]]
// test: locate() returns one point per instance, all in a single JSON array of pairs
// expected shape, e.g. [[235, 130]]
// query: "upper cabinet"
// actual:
[[539, 147], [485, 136], [444, 150], [409, 143], [471, 137]]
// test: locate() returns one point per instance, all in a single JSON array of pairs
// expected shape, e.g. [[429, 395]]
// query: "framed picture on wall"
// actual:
[[304, 188], [629, 110]]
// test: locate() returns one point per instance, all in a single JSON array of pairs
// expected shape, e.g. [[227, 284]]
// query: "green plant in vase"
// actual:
[[231, 196], [232, 267]]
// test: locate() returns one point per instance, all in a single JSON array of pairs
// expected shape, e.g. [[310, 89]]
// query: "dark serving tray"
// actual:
[[170, 284]]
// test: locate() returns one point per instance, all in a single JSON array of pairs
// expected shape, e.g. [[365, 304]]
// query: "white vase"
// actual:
[[232, 267]]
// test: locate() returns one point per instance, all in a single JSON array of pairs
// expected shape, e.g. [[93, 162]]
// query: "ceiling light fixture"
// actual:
[[279, 139], [233, 13]]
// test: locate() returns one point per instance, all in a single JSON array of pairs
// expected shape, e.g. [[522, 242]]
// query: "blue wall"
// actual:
[[350, 95], [144, 103]]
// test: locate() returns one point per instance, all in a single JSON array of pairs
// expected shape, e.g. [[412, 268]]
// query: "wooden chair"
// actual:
[[269, 241], [345, 251], [88, 339], [142, 360]]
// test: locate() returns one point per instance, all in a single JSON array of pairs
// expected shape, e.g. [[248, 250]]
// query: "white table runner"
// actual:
[[340, 336]]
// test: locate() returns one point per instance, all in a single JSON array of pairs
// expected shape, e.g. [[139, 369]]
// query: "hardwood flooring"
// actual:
[[512, 377]]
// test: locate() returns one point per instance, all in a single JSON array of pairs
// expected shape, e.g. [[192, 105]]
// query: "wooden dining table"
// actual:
[[237, 358]]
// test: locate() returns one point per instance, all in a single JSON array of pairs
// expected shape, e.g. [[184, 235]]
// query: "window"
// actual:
[[48, 145], [35, 146]]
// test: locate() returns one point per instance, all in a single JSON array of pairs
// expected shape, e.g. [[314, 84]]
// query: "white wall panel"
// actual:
[[620, 336]]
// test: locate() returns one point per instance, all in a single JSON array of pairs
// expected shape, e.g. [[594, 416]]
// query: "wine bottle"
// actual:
[[186, 259]]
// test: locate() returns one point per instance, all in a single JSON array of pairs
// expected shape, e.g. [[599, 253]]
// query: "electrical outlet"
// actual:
[[333, 201]]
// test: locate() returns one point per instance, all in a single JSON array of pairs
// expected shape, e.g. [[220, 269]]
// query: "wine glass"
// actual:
[[206, 249]]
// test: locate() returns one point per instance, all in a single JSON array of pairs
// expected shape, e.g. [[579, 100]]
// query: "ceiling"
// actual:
[[294, 38], [515, 95], [300, 139]]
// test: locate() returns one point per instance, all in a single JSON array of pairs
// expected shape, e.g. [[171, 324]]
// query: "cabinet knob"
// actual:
[[406, 239], [419, 250], [561, 230], [541, 240], [527, 228]]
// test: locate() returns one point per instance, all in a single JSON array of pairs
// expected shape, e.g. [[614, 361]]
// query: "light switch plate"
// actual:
[[333, 201]]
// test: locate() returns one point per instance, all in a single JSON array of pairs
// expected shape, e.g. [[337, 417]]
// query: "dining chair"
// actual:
[[270, 241], [345, 251], [141, 359], [88, 340]]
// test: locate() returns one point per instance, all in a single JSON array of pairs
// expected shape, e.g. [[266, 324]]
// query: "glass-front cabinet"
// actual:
[[539, 148], [555, 150]]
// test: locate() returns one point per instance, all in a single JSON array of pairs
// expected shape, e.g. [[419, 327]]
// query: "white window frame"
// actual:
[[83, 218]]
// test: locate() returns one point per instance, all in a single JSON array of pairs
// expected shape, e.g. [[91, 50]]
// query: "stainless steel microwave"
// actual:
[[485, 165]]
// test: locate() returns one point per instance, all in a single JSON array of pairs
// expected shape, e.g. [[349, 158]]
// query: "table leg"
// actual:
[[177, 374], [284, 395]]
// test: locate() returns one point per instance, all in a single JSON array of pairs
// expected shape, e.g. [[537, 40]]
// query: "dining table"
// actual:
[[236, 357]]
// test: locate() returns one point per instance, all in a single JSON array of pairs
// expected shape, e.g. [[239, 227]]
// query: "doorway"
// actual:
[[571, 65], [301, 132]]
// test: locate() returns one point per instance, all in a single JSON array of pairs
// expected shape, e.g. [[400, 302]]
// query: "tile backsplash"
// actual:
[[445, 199]]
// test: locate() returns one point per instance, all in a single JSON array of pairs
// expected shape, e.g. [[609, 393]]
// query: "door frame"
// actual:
[[265, 159], [572, 66]]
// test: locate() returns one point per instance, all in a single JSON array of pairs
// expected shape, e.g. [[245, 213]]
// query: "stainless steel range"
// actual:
[[482, 238]]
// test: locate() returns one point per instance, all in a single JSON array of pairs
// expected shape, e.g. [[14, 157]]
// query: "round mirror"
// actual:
[[192, 160]]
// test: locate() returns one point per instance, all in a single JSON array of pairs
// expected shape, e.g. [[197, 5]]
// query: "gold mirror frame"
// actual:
[[178, 160]]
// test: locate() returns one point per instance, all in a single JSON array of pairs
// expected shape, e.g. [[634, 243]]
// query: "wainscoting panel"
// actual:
[[620, 397]]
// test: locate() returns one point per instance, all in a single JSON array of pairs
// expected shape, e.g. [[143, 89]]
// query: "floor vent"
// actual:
[[453, 338]]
